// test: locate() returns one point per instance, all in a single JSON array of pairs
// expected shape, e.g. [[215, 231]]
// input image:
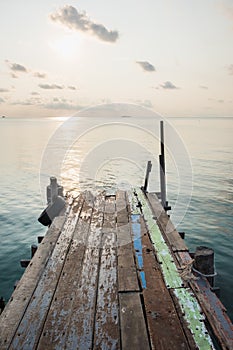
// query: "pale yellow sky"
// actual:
[[174, 56]]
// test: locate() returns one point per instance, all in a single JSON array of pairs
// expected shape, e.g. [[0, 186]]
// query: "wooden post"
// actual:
[[162, 167], [33, 249], [204, 263], [148, 170], [54, 188], [40, 239]]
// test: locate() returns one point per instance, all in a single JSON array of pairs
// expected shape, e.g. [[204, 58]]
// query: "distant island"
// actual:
[[3, 116]]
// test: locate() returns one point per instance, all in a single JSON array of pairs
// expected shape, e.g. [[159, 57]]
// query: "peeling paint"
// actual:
[[187, 302]]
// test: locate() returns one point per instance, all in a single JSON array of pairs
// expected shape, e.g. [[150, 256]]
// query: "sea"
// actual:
[[104, 151]]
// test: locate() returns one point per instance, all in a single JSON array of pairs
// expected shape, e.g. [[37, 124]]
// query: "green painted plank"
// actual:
[[186, 300], [169, 270], [195, 319]]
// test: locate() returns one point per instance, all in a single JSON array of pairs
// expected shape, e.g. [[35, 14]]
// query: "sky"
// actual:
[[172, 56]]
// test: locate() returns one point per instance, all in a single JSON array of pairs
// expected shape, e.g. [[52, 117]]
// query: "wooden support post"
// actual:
[[163, 170], [53, 190], [40, 239], [204, 263], [2, 304], [33, 249], [25, 262], [148, 170], [182, 235], [16, 284], [162, 166]]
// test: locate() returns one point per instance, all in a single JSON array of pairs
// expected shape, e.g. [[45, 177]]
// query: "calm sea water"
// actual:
[[99, 153]]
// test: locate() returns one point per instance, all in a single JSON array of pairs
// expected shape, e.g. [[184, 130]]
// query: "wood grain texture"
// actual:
[[133, 326], [161, 314], [27, 284], [31, 325], [170, 233]]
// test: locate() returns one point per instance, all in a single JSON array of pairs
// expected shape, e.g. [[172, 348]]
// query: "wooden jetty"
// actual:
[[113, 273]]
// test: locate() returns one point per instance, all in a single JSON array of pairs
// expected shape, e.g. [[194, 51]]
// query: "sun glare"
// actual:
[[66, 46]]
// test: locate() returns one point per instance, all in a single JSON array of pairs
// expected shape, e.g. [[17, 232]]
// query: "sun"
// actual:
[[67, 46]]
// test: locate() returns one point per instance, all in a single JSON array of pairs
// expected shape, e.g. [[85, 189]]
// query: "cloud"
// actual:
[[13, 75], [34, 93], [230, 69], [51, 86], [146, 66], [144, 103], [40, 75], [2, 100], [70, 17], [23, 103], [203, 87], [72, 87], [16, 67], [4, 90], [62, 105], [169, 86]]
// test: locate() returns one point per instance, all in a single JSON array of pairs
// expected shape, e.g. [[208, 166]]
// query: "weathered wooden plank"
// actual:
[[192, 318], [187, 303], [14, 310], [80, 329], [215, 312], [137, 242], [57, 321], [127, 273], [133, 326], [29, 330], [122, 208], [163, 322], [166, 225], [106, 333]]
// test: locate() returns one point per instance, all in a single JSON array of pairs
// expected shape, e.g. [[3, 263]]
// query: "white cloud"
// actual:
[[70, 17], [57, 104], [4, 90], [40, 75], [168, 85], [16, 67], [146, 66], [51, 86], [230, 69]]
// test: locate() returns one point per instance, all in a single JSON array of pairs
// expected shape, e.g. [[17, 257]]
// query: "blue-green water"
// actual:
[[208, 220]]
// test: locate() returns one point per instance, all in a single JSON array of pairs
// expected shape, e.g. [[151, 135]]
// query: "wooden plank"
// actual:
[[106, 333], [215, 312], [127, 273], [137, 242], [170, 233], [56, 326], [122, 208], [30, 328], [163, 322], [80, 328], [14, 310], [133, 326]]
